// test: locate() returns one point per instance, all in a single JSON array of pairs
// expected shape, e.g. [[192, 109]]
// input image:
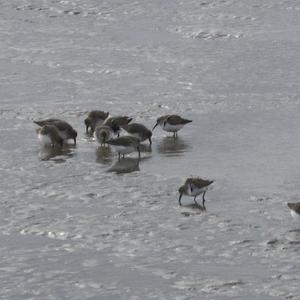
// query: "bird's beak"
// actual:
[[179, 200], [154, 126]]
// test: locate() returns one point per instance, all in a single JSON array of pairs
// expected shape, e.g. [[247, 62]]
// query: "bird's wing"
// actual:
[[199, 182], [174, 119]]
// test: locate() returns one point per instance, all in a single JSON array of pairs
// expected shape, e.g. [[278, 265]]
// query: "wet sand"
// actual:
[[76, 223]]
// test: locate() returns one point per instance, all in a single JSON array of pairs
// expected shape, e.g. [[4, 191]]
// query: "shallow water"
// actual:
[[76, 223]]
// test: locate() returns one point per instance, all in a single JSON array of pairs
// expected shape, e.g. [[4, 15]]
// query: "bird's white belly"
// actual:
[[44, 139], [196, 191], [172, 128], [123, 149], [63, 135], [295, 216], [138, 136]]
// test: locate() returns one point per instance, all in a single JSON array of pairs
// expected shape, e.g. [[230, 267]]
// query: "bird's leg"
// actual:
[[203, 200], [119, 156], [196, 201], [179, 200], [139, 151], [123, 156]]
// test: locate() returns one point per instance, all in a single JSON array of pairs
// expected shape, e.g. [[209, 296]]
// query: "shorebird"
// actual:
[[194, 187], [65, 130], [171, 123], [138, 130], [117, 122], [49, 135], [94, 118], [103, 133], [295, 210], [125, 144]]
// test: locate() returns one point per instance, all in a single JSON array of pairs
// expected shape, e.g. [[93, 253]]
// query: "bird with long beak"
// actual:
[[49, 135], [295, 210], [65, 130], [125, 144], [138, 130], [171, 123], [103, 133], [95, 118], [194, 187]]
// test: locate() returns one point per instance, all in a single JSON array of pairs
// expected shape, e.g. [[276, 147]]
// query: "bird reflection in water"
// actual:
[[145, 148], [172, 147], [104, 155], [125, 165], [57, 154], [191, 209]]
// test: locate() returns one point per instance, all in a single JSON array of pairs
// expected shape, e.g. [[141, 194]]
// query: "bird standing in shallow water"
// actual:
[[65, 130], [103, 133], [125, 144], [295, 210], [171, 123], [49, 135], [138, 130], [95, 118], [194, 187]]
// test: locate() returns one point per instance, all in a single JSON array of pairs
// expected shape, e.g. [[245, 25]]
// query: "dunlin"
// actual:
[[171, 123], [65, 130], [117, 122], [138, 130], [295, 210], [125, 144], [95, 118], [49, 135], [103, 133], [194, 187]]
